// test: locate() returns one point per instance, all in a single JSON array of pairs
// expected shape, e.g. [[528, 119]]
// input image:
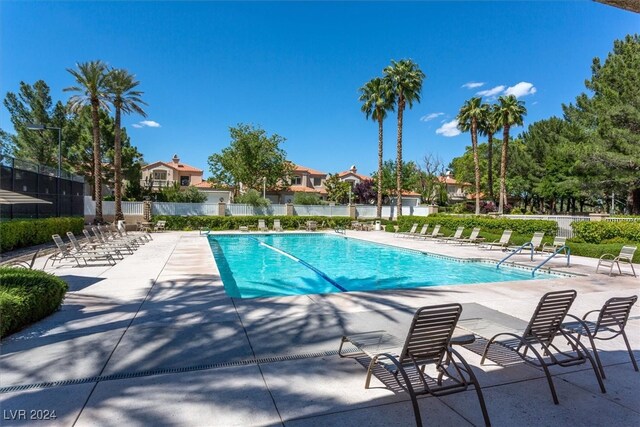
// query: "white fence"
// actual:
[[320, 210], [622, 219], [188, 209], [234, 209], [109, 207], [564, 221], [368, 211]]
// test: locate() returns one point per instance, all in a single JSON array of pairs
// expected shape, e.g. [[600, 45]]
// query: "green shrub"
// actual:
[[602, 231], [495, 225], [27, 296], [220, 223], [28, 232]]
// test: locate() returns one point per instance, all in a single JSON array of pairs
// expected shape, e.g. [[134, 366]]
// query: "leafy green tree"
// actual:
[[469, 116], [365, 192], [252, 197], [411, 177], [121, 92], [33, 105], [337, 191], [511, 112], [251, 157], [377, 98], [91, 78], [432, 189], [611, 119], [300, 198], [406, 79], [173, 193], [488, 126]]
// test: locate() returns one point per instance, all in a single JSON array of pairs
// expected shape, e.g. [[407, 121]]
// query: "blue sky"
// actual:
[[295, 68]]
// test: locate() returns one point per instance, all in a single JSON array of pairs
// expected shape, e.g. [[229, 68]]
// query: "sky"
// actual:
[[294, 68]]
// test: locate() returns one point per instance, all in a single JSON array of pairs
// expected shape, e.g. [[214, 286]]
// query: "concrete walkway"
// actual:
[[154, 340]]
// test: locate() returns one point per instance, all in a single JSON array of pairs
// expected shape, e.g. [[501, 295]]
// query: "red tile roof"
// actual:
[[449, 180], [305, 189], [300, 168], [181, 167], [350, 172]]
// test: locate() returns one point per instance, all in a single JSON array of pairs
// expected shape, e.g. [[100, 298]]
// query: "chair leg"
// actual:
[[476, 385], [633, 359], [633, 269]]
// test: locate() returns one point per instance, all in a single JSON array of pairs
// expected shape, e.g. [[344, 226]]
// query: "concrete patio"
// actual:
[[154, 340]]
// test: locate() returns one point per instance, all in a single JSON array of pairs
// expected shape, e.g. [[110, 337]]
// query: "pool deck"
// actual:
[[154, 340]]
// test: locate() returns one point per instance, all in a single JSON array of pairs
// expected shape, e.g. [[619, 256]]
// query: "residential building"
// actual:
[[164, 174], [352, 176], [304, 180], [214, 194], [456, 190]]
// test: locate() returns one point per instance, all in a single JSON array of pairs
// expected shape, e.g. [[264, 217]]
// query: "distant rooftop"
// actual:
[[632, 5]]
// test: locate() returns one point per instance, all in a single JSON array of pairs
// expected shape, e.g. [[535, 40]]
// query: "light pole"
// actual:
[[40, 128], [264, 187]]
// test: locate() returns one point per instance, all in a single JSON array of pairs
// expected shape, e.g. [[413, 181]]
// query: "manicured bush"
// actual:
[[603, 231], [496, 225], [17, 234], [219, 223], [27, 296]]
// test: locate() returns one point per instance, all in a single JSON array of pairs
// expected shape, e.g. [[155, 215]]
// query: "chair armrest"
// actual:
[[584, 317], [605, 256]]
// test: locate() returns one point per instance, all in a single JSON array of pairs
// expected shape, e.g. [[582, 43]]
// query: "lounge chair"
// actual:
[[262, 226], [411, 232], [122, 233], [611, 321], [546, 325], [97, 241], [503, 242], [626, 256], [311, 225], [454, 237], [115, 253], [534, 244], [110, 236], [160, 225], [28, 264], [428, 342], [558, 242], [473, 237], [435, 233], [276, 225], [421, 233], [65, 253], [142, 235]]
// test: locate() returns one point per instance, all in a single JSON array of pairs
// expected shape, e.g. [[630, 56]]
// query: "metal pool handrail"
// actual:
[[518, 250], [551, 256]]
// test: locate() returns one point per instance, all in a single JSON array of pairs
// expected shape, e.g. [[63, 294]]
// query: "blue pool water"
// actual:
[[298, 264]]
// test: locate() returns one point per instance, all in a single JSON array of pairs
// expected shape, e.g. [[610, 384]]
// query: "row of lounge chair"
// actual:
[[106, 245], [432, 336]]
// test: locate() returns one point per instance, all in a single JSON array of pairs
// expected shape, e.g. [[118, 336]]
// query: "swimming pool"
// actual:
[[298, 264]]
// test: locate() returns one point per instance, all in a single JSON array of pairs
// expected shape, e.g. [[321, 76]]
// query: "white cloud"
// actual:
[[430, 117], [521, 89], [449, 129], [491, 92], [473, 85], [135, 125], [150, 123]]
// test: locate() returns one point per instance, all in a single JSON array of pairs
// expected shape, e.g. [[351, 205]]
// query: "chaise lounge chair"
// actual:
[[538, 336], [96, 241], [473, 237], [435, 233], [558, 242], [262, 226], [533, 245], [428, 342], [28, 264], [626, 256], [84, 255], [115, 253], [502, 243], [276, 225], [611, 321], [411, 232], [454, 237]]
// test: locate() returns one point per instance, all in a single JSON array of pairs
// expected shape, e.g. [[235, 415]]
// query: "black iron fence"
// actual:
[[65, 192]]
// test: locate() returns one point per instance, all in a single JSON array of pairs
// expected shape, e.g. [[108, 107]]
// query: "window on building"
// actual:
[[317, 181], [160, 175], [184, 181], [296, 180]]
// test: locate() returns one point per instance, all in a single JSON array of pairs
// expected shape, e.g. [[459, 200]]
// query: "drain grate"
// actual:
[[126, 375]]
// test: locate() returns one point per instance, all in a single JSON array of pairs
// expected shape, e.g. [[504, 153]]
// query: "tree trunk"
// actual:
[[399, 160], [97, 162], [476, 161], [380, 147], [490, 166], [503, 169], [117, 165]]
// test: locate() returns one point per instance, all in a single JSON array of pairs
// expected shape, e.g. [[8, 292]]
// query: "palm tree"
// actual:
[[511, 112], [488, 126], [469, 116], [377, 98], [125, 99], [91, 78], [406, 79]]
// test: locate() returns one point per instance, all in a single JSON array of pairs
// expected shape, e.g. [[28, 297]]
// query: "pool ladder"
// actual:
[[537, 267], [517, 251]]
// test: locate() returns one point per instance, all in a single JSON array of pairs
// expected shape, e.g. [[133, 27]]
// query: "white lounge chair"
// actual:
[[435, 233], [558, 242], [503, 242], [473, 237], [262, 226], [454, 237], [421, 233], [626, 256], [411, 232], [276, 225]]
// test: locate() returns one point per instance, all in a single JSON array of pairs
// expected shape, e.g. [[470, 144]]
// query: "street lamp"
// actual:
[[40, 128], [264, 187]]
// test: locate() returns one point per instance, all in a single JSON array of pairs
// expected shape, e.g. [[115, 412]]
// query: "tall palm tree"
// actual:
[[91, 78], [406, 80], [377, 98], [469, 116], [488, 126], [511, 112], [121, 91]]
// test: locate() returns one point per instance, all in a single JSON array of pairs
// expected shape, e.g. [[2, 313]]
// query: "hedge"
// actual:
[[603, 231], [27, 296], [496, 225], [219, 223], [17, 234]]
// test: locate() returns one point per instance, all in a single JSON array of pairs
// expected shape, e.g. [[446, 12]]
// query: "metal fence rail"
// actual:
[[320, 210], [564, 221]]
